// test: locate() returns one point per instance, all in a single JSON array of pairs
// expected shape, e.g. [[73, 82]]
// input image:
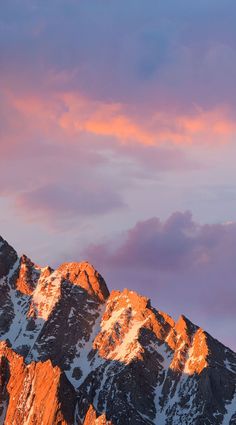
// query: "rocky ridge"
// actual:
[[71, 353]]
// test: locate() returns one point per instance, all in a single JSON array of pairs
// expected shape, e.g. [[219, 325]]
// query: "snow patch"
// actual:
[[231, 410], [81, 360], [129, 347], [47, 294]]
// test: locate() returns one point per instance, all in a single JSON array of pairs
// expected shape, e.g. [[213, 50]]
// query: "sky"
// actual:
[[118, 146]]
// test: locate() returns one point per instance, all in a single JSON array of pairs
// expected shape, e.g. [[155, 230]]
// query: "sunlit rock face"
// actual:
[[92, 418], [71, 353], [84, 275], [35, 393]]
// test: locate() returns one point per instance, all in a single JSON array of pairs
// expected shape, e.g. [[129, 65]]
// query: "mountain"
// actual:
[[73, 354]]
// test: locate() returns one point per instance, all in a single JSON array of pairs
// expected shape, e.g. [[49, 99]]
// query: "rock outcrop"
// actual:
[[34, 394], [92, 418]]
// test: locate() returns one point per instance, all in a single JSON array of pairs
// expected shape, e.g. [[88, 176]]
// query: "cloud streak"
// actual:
[[70, 115], [58, 201]]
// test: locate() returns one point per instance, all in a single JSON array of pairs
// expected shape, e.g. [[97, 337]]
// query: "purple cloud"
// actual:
[[58, 201], [177, 243], [184, 266]]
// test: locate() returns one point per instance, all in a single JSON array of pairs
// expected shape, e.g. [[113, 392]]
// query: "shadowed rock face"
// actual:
[[8, 257], [73, 354]]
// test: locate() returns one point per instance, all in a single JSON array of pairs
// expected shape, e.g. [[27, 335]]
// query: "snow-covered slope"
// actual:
[[85, 356]]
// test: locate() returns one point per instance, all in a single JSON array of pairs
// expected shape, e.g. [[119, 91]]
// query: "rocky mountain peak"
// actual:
[[8, 257], [71, 354], [185, 328], [27, 275], [84, 274]]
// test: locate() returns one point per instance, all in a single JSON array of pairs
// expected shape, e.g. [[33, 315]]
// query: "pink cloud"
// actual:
[[43, 133], [67, 116], [155, 128]]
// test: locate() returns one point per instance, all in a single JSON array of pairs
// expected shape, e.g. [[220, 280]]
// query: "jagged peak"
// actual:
[[185, 328], [13, 357], [190, 349], [4, 245], [130, 299], [3, 242], [27, 262], [25, 387], [46, 271], [92, 418], [27, 275], [8, 257], [86, 276], [198, 353], [127, 318], [167, 318]]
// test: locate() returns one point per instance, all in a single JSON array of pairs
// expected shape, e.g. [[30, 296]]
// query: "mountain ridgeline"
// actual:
[[73, 354]]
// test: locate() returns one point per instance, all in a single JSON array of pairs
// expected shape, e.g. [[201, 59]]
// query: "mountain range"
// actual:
[[71, 353]]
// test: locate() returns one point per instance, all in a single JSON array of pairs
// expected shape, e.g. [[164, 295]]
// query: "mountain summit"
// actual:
[[73, 354]]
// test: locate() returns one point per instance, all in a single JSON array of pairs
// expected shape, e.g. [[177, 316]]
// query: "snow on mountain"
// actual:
[[71, 353]]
